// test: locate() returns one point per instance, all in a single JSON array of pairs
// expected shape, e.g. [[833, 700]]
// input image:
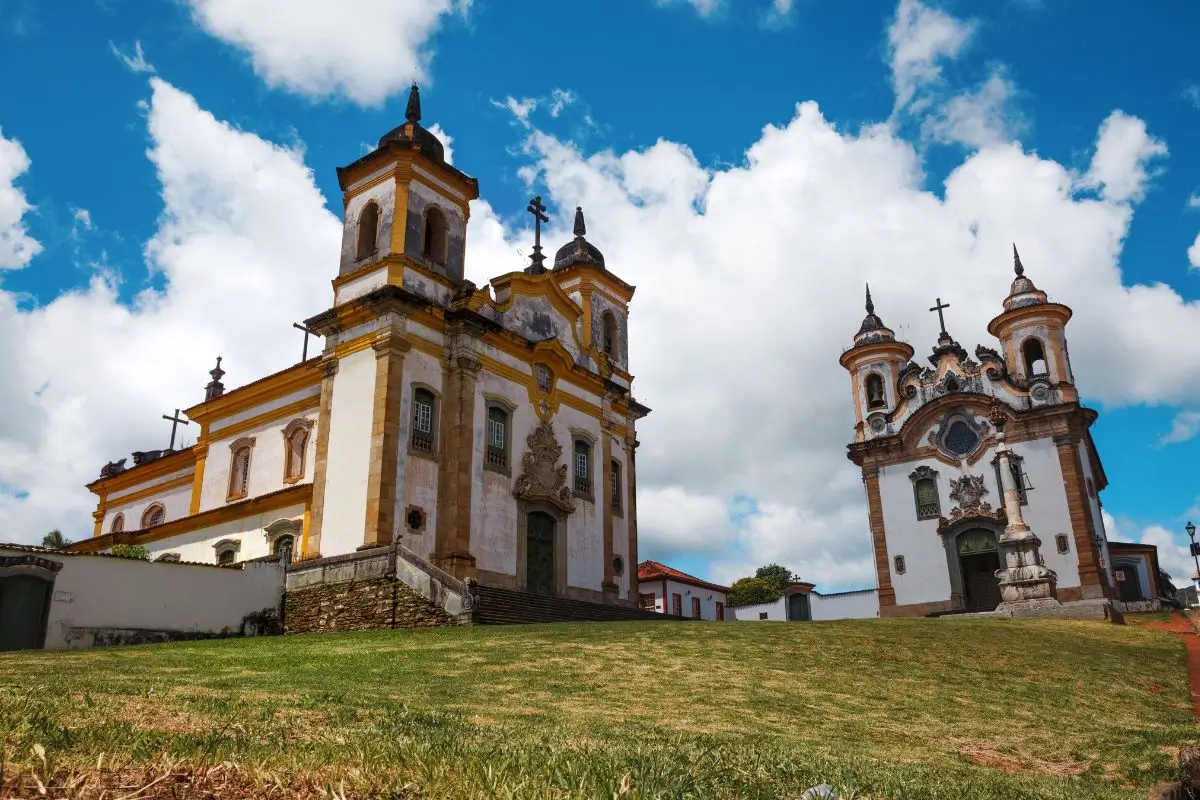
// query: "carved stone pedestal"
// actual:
[[460, 565]]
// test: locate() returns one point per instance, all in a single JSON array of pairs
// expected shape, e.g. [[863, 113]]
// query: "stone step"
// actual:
[[495, 606]]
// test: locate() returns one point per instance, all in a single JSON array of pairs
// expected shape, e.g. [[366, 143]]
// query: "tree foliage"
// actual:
[[131, 551], [776, 575], [750, 591], [54, 539]]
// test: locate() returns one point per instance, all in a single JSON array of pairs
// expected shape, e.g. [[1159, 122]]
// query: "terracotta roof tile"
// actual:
[[650, 570]]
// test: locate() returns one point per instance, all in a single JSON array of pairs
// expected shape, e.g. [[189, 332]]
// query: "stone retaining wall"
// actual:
[[371, 604]]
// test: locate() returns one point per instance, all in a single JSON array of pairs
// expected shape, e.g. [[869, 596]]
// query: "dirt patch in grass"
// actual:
[[983, 753]]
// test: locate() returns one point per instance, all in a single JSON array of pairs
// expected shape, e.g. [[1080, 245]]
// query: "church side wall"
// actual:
[[1093, 505], [349, 453], [493, 507], [418, 474], [175, 496], [926, 578], [1047, 513], [248, 532]]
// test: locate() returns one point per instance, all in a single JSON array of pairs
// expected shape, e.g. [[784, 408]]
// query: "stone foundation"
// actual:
[[372, 604], [1097, 610]]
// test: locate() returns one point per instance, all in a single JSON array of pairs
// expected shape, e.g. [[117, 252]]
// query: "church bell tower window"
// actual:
[[874, 387], [1034, 356], [434, 244], [609, 325], [368, 231]]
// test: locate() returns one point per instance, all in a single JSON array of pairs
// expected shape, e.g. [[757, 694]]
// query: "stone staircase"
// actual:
[[494, 606]]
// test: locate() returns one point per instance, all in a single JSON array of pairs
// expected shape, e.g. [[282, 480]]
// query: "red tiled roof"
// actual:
[[651, 570]]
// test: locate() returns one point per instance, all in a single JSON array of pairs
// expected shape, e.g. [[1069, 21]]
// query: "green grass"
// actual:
[[879, 708]]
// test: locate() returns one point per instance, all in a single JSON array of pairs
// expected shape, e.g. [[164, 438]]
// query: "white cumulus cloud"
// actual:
[[920, 38], [17, 247], [365, 51]]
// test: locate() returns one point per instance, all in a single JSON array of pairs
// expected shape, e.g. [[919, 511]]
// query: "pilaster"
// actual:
[[329, 366], [631, 445], [390, 347], [452, 538], [1090, 583], [609, 586], [887, 595]]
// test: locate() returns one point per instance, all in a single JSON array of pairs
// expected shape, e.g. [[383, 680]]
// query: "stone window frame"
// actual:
[[280, 528], [242, 445], [616, 487], [409, 511], [618, 564], [1062, 544], [434, 422], [118, 524], [153, 512], [168, 558], [1015, 461], [299, 425], [440, 258], [899, 565], [919, 476], [588, 441], [876, 376], [1027, 363], [948, 421], [360, 252], [231, 546], [490, 402]]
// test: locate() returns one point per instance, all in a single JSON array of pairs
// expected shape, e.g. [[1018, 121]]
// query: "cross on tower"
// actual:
[[941, 320], [307, 331], [175, 422], [539, 216]]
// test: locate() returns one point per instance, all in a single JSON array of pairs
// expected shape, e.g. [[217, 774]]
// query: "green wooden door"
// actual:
[[539, 554], [23, 602], [798, 608]]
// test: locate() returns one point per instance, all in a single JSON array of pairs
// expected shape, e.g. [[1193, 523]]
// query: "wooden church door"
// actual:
[[798, 608], [24, 601], [539, 554]]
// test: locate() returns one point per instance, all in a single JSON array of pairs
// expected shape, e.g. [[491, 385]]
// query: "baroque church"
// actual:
[[981, 475], [491, 429]]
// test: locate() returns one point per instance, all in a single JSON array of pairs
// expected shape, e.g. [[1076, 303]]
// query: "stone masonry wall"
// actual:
[[371, 604]]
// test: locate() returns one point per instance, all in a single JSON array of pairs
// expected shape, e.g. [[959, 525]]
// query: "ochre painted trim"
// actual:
[[290, 410], [272, 387], [290, 496], [144, 473]]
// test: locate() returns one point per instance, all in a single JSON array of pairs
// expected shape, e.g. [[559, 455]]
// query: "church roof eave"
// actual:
[[1007, 318], [143, 473], [285, 381], [348, 174]]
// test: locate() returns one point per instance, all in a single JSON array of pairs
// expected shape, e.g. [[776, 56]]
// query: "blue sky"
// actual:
[[647, 114]]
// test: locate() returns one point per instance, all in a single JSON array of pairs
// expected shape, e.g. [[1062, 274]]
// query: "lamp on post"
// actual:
[[1191, 532]]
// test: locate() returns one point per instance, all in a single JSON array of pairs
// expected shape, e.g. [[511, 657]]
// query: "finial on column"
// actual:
[[413, 112], [1017, 265], [870, 305], [215, 388], [580, 227]]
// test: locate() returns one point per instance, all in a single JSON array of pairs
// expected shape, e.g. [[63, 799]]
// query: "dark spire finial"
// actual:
[[870, 305], [413, 112], [1017, 265], [215, 388], [580, 228]]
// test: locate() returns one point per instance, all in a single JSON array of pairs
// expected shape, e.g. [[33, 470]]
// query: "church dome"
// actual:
[[579, 250], [1022, 292], [872, 328], [412, 134]]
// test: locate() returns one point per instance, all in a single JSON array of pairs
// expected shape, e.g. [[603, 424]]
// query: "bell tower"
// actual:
[[1032, 332], [404, 205], [874, 363]]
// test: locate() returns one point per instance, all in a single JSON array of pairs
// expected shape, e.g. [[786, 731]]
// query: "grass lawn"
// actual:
[[908, 708]]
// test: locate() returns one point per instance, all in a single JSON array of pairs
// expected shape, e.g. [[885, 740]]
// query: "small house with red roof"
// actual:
[[669, 591]]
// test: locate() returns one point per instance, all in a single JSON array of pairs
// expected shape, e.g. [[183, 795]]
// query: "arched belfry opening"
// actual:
[[433, 243], [874, 387], [608, 321], [368, 231], [1033, 355]]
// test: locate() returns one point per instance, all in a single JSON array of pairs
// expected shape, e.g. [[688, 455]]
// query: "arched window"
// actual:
[[497, 437], [295, 443], [239, 469], [154, 515], [611, 334], [226, 557], [171, 558], [433, 245], [283, 546], [960, 439], [368, 231], [227, 550], [1034, 357], [875, 396], [118, 524], [424, 417], [583, 468]]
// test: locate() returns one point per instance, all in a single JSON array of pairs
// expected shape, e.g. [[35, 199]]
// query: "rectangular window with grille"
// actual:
[[583, 472], [615, 481], [497, 437], [422, 432], [649, 601], [928, 504], [1018, 478]]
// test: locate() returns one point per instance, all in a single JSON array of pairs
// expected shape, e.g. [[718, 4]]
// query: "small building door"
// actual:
[[539, 554], [798, 608], [24, 603]]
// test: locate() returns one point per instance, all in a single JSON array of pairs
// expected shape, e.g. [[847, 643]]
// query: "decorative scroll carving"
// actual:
[[922, 472], [968, 492], [542, 477]]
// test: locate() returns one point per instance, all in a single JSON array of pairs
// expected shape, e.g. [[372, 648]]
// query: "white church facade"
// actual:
[[491, 429], [928, 440]]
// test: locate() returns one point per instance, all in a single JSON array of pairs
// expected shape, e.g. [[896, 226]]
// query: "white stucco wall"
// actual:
[[248, 532], [708, 597], [348, 463], [1093, 505], [926, 578], [92, 591], [418, 475], [775, 612], [862, 604], [176, 502]]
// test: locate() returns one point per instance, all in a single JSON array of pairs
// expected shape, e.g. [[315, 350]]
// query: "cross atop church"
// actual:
[[941, 320], [539, 216], [307, 332], [175, 421]]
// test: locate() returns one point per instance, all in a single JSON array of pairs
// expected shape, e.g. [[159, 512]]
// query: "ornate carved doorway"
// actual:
[[539, 553], [979, 558], [24, 602]]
